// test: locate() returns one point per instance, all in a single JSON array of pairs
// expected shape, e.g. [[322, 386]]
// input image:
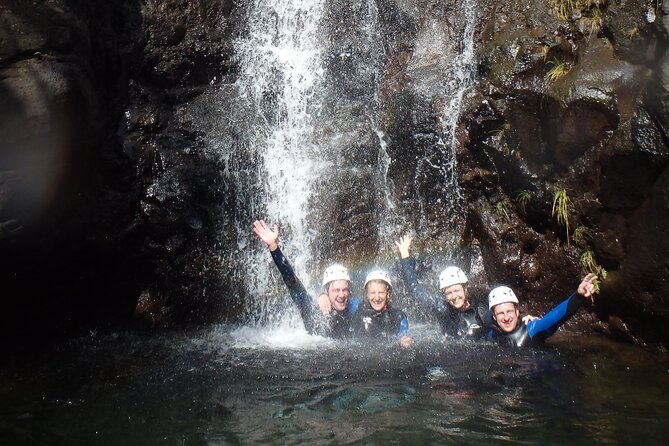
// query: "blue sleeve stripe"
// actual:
[[404, 325], [548, 325]]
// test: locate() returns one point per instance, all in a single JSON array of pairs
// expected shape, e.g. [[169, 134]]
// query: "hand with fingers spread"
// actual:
[[403, 245], [268, 235], [587, 287]]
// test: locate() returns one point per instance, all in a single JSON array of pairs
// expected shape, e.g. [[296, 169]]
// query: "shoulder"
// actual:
[[354, 305]]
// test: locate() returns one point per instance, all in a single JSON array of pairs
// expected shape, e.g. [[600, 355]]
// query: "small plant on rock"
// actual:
[[596, 21], [559, 70], [563, 9], [561, 209], [582, 234], [501, 210], [500, 132], [590, 265], [523, 198], [544, 50]]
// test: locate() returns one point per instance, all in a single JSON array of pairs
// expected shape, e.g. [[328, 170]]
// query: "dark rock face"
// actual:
[[111, 209], [595, 132], [104, 194]]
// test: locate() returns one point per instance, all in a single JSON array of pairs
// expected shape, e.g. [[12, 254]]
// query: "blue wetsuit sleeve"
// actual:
[[404, 325], [547, 326], [411, 282], [354, 304], [297, 291]]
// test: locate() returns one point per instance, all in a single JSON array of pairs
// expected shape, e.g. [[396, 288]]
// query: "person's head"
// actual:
[[378, 288], [337, 283], [453, 283], [503, 304]]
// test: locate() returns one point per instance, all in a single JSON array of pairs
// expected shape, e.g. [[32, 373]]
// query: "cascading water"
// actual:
[[291, 137], [461, 78], [305, 146], [280, 78]]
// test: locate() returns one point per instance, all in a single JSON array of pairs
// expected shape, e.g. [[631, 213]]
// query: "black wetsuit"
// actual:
[[535, 332], [467, 324], [371, 324], [338, 324]]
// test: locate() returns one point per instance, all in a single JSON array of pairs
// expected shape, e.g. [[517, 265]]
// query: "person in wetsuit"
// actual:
[[507, 328], [337, 321], [378, 319], [458, 315]]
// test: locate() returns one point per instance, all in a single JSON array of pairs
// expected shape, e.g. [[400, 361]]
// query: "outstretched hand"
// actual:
[[403, 244], [267, 234], [587, 286]]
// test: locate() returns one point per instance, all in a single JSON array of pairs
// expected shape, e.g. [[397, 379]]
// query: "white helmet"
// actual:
[[335, 272], [451, 276], [378, 275], [501, 295]]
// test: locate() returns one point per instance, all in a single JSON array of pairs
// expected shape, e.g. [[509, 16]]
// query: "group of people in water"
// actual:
[[335, 313]]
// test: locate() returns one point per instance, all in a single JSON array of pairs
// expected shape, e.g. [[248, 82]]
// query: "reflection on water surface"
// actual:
[[226, 386]]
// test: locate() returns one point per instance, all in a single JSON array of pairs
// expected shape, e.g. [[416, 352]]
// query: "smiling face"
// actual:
[[456, 296], [377, 294], [506, 315], [338, 292]]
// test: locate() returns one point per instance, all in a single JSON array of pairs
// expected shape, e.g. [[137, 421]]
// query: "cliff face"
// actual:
[[111, 207], [106, 200], [597, 132]]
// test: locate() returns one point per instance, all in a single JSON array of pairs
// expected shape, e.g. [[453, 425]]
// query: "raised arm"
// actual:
[[409, 274], [298, 293], [548, 325]]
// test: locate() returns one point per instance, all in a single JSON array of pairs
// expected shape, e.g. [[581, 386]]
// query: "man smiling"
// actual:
[[336, 322], [508, 328]]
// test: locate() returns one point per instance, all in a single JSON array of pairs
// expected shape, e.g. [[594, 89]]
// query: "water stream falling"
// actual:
[[450, 81], [305, 146], [279, 84]]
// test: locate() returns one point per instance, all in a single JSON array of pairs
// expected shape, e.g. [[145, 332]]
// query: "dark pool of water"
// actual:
[[222, 386]]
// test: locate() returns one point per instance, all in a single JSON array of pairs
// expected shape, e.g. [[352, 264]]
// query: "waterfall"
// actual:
[[461, 78], [280, 80], [301, 135]]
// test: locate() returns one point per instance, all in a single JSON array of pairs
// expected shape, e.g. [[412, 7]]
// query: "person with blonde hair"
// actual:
[[458, 315], [378, 319]]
